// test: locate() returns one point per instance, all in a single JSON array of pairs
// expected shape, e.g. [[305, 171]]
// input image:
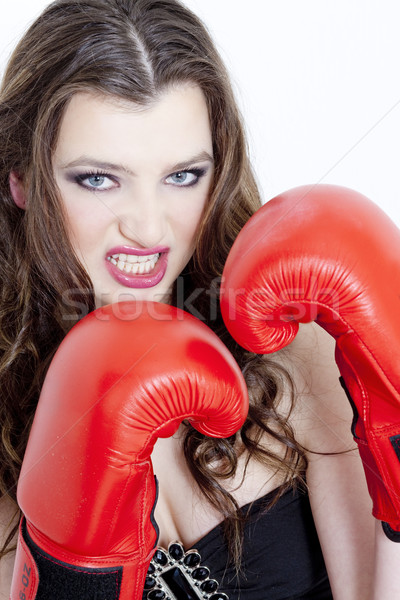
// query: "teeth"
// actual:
[[131, 263], [133, 258]]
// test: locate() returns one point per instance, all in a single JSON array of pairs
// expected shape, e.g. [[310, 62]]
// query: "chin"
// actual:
[[133, 294]]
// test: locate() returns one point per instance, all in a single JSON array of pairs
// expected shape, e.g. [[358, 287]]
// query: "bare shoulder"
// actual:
[[8, 518]]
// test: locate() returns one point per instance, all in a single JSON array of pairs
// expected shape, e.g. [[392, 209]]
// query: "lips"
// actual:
[[136, 268]]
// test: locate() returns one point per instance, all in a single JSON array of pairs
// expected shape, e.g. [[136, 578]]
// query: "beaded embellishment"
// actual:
[[174, 574]]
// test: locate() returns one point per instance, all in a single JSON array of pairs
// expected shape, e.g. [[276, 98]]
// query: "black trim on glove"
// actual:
[[62, 581]]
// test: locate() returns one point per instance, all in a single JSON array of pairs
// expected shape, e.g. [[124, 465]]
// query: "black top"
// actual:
[[282, 557]]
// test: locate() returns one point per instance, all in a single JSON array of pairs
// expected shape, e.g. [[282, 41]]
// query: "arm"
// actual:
[[387, 570], [338, 492]]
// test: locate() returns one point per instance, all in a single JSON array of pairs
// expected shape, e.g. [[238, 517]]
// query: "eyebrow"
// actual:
[[108, 166]]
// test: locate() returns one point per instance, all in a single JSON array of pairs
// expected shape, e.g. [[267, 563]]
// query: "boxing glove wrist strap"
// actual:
[[394, 536], [39, 575]]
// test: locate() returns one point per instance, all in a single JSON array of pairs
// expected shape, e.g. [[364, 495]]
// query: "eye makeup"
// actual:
[[94, 180], [196, 173], [98, 177]]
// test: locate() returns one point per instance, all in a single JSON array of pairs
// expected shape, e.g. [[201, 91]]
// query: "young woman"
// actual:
[[125, 175]]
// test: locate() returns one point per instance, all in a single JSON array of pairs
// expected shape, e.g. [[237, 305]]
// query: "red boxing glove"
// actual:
[[119, 381], [329, 254]]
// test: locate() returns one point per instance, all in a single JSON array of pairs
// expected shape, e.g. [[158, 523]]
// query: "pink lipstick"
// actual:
[[137, 268]]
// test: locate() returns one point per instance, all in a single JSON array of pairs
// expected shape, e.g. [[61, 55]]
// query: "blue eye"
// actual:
[[95, 181], [185, 178]]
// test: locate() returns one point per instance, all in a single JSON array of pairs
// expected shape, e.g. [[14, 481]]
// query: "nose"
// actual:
[[142, 220]]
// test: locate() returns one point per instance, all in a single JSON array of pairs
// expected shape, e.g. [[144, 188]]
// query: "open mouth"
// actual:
[[137, 269], [136, 265]]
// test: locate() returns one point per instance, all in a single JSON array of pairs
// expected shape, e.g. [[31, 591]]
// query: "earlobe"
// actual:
[[17, 190]]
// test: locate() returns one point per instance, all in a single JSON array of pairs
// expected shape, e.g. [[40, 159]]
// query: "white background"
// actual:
[[318, 82]]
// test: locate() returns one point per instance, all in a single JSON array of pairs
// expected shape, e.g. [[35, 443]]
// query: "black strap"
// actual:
[[394, 536], [353, 406], [62, 581]]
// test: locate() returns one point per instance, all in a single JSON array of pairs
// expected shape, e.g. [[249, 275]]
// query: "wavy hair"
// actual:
[[131, 50]]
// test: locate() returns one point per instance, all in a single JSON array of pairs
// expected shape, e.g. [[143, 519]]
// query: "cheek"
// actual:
[[79, 230], [85, 223], [185, 232], [188, 219]]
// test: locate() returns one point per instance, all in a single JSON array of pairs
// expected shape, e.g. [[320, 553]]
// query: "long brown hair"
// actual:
[[132, 50]]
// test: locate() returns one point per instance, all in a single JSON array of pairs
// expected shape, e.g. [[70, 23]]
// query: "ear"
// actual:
[[17, 190]]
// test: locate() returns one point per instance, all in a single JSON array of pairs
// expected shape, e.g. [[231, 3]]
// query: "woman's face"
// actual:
[[134, 182]]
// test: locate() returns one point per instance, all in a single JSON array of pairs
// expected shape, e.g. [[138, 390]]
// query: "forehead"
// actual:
[[176, 124]]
